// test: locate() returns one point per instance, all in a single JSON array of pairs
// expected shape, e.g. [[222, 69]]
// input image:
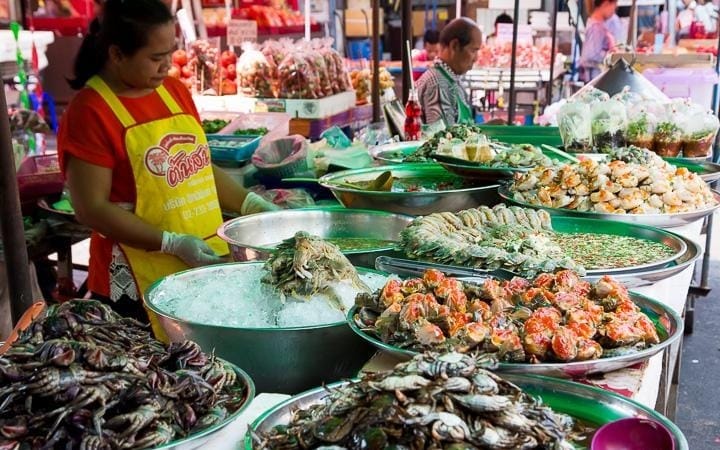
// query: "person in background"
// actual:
[[501, 18], [616, 29], [431, 44], [136, 160], [440, 90], [599, 40]]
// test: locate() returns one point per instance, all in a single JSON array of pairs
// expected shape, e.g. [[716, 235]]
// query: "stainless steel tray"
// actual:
[[415, 203], [667, 322], [591, 405], [655, 220]]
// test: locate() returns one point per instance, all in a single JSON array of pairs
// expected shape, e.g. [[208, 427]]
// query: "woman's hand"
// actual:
[[90, 192], [191, 250]]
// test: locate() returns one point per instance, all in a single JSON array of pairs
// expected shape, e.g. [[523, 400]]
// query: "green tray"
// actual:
[[511, 130], [591, 405]]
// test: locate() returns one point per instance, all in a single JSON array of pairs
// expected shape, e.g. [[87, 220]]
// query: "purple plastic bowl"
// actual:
[[633, 433]]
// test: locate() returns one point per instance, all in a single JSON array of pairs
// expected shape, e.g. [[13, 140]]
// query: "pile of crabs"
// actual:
[[84, 377], [555, 317]]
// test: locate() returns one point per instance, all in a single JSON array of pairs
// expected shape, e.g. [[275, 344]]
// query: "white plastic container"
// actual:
[[695, 84]]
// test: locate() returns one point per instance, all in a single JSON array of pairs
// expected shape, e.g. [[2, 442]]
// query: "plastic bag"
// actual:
[[641, 125], [297, 77], [627, 97], [592, 95], [255, 73], [668, 136], [286, 198], [283, 157], [574, 122], [317, 61], [609, 121], [699, 131]]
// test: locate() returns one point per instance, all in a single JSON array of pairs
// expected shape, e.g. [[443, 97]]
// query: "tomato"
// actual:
[[227, 57], [180, 57], [186, 72], [174, 71], [231, 72]]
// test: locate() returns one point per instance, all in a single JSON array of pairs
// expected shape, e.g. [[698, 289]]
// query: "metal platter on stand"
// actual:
[[655, 220], [668, 324], [418, 189], [587, 404]]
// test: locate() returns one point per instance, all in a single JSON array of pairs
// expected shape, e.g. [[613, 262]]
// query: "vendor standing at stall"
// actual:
[[136, 159], [440, 90], [599, 39]]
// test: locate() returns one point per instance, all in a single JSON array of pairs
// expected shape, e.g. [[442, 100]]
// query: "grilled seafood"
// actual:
[[83, 377], [306, 265], [513, 238], [555, 317], [375, 412], [646, 185]]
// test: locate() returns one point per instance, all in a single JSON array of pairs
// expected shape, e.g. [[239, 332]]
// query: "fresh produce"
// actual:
[[255, 73], [213, 126], [271, 17], [667, 139], [608, 251], [362, 83], [574, 123], [700, 129], [305, 265], [528, 56], [614, 187], [609, 121], [435, 401], [203, 68], [83, 377], [511, 238], [261, 131], [553, 318]]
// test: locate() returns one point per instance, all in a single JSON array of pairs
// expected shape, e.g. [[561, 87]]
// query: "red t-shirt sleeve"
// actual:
[[84, 131]]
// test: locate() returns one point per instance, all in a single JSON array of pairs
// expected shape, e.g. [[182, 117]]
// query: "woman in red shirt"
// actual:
[[136, 159]]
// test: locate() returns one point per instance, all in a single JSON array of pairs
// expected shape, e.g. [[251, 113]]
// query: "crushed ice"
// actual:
[[230, 297]]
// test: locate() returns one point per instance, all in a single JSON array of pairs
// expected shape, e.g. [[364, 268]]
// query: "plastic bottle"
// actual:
[[413, 117]]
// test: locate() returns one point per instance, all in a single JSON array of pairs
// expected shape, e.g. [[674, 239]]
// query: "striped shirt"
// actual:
[[437, 94]]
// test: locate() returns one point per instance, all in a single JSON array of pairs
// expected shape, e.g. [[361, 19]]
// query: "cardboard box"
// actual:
[[308, 109], [358, 22], [418, 20]]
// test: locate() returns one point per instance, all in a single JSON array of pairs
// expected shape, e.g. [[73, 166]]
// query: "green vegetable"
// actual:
[[462, 132], [214, 126], [668, 131], [261, 131], [638, 128]]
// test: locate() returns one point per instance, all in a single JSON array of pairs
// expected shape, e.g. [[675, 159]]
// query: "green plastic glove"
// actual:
[[254, 204]]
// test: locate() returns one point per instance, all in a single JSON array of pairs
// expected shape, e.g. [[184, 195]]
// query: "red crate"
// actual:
[[39, 175]]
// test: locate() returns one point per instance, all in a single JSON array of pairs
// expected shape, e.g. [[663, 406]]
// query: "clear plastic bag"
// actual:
[[297, 77], [609, 121], [255, 73], [627, 97], [699, 131], [574, 122], [287, 198], [592, 95], [641, 125], [667, 140]]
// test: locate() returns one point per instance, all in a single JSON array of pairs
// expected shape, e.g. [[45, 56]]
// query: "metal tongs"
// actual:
[[406, 267]]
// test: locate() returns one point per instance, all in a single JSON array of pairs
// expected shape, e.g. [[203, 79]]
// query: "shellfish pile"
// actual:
[[447, 401], [83, 377], [614, 187], [555, 317], [511, 238]]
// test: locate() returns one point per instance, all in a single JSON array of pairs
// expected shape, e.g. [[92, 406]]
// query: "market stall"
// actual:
[[455, 279]]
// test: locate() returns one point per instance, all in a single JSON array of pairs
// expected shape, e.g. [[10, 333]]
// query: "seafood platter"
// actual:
[[413, 189], [555, 324], [274, 318], [651, 193], [449, 401], [523, 241], [81, 376], [362, 235], [395, 152]]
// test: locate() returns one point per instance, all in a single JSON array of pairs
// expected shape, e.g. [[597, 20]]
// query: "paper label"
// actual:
[[240, 31]]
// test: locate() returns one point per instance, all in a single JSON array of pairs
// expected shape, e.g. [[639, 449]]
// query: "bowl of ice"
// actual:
[[287, 345]]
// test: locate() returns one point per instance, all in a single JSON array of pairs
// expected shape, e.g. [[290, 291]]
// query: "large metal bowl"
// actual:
[[199, 439], [252, 238], [592, 406], [417, 203], [653, 220], [281, 360], [667, 323]]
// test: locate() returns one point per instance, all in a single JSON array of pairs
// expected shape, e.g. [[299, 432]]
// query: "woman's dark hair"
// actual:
[[460, 29], [431, 37], [124, 23], [503, 18]]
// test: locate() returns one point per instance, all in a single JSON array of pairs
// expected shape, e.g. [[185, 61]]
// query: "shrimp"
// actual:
[[628, 180], [671, 199], [569, 178], [546, 177], [631, 200], [618, 169], [603, 207], [527, 182], [562, 202], [544, 196], [655, 201], [599, 182], [582, 189]]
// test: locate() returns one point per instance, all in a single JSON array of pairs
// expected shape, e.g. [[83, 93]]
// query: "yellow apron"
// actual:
[[174, 182]]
